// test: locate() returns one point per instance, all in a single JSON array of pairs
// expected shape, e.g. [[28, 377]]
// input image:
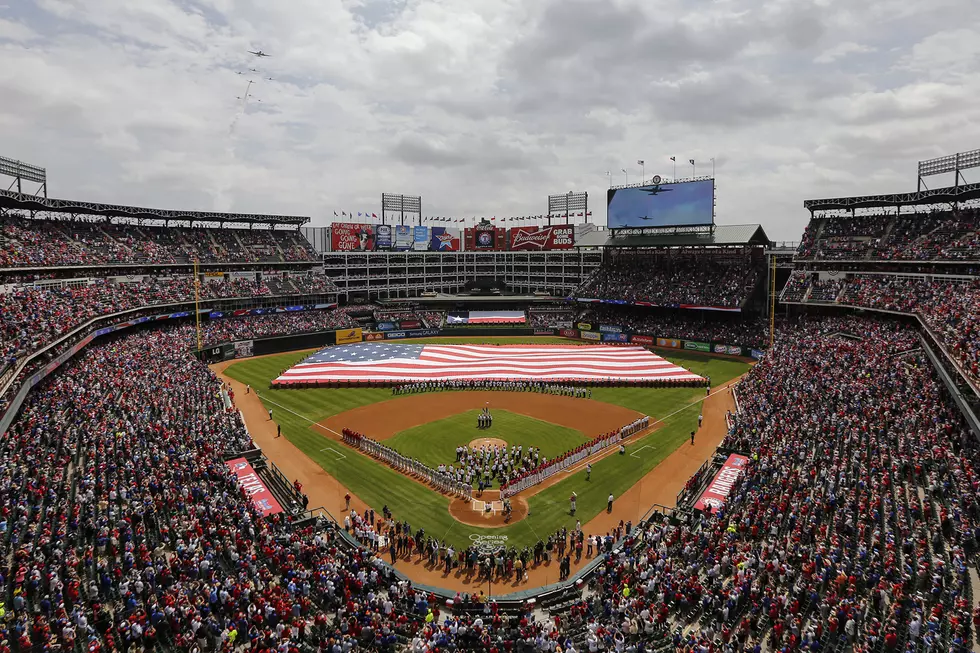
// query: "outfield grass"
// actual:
[[297, 409], [435, 443]]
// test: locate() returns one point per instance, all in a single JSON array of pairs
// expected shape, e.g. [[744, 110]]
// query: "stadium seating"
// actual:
[[938, 236], [675, 277], [34, 315], [748, 331], [29, 242]]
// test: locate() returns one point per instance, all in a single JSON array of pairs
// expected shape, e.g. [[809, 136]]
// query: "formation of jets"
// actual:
[[247, 96]]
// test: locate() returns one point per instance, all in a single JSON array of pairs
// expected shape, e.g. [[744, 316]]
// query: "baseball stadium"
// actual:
[[728, 405], [386, 431]]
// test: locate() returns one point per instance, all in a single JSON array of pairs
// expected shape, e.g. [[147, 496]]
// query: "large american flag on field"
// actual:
[[380, 361]]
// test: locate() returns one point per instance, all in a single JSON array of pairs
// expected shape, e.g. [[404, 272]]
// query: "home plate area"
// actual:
[[487, 508]]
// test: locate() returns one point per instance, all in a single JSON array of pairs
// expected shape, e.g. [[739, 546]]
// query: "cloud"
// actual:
[[483, 107]]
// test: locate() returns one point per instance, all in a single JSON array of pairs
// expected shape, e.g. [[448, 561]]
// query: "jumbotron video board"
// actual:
[[661, 205]]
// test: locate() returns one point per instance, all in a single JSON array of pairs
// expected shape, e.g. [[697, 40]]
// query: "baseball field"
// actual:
[[430, 426]]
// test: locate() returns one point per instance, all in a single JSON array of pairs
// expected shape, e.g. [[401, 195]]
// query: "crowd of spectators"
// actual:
[[942, 235], [676, 277], [28, 242], [853, 526], [556, 318], [34, 315], [706, 326]]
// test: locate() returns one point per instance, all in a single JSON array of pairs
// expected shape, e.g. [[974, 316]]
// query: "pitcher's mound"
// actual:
[[487, 510], [480, 443]]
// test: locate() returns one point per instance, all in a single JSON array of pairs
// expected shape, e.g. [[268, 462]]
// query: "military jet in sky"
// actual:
[[259, 53]]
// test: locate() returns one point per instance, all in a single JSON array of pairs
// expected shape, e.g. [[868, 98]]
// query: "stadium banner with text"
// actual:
[[756, 353], [661, 205], [568, 333], [243, 348], [348, 336], [591, 335], [394, 335], [382, 237], [386, 326], [351, 237], [716, 493], [735, 351], [542, 238], [721, 349], [403, 237], [610, 328], [697, 346], [584, 326], [564, 325], [484, 236], [669, 342], [642, 340], [544, 332], [374, 336], [409, 324], [445, 239], [421, 239], [615, 337], [262, 498], [417, 333]]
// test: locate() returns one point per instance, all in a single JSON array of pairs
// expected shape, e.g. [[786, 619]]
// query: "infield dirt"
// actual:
[[659, 486]]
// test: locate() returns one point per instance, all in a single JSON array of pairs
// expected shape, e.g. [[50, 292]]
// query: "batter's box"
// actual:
[[487, 507]]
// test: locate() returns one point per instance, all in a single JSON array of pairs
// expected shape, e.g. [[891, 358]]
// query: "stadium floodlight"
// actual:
[[567, 204], [949, 163], [401, 204], [21, 172]]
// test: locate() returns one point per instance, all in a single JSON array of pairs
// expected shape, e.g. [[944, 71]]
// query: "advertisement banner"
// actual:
[[564, 324], [445, 239], [348, 336], [615, 337], [544, 332], [243, 348], [584, 326], [374, 336], [386, 326], [642, 340], [669, 342], [403, 237], [542, 238], [394, 335], [721, 349], [610, 328], [568, 333], [484, 236], [591, 335], [734, 351], [252, 485], [409, 324], [421, 240], [351, 237], [697, 346], [756, 354], [716, 493], [382, 236]]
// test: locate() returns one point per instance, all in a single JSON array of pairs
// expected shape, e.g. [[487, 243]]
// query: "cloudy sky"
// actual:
[[484, 107]]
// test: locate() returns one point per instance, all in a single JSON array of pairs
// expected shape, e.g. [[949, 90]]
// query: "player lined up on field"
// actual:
[[504, 386]]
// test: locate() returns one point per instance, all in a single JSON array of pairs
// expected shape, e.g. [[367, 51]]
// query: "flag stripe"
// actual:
[[385, 362]]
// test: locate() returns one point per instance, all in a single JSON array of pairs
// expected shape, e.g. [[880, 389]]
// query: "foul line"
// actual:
[[303, 417], [654, 423], [646, 446]]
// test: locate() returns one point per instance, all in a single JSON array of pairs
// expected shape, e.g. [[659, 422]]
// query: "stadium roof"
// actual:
[[950, 195], [26, 202], [736, 234]]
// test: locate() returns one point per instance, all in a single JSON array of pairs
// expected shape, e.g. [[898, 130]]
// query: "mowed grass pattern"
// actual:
[[297, 410], [435, 443]]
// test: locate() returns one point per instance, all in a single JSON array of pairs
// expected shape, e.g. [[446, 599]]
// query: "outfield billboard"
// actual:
[[661, 205], [351, 237], [542, 238], [382, 237], [403, 237], [420, 242], [348, 336], [445, 239]]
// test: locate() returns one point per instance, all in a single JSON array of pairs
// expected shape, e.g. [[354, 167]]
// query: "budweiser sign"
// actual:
[[540, 238]]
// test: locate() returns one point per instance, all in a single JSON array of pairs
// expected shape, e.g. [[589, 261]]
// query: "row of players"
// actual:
[[503, 386]]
